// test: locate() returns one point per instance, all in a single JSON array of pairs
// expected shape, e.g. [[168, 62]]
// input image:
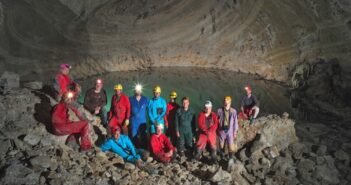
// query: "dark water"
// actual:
[[199, 84]]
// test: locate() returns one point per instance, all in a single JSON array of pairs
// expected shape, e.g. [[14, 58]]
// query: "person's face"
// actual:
[[248, 91], [186, 104], [227, 102], [208, 109], [65, 71], [118, 92], [117, 134], [98, 86], [159, 131], [157, 94], [137, 93]]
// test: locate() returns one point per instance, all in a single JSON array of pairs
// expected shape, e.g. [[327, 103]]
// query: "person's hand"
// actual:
[[235, 134], [97, 110], [245, 116], [169, 154], [126, 122], [178, 134]]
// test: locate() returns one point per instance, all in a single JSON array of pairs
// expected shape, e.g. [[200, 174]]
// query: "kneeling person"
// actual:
[[161, 147]]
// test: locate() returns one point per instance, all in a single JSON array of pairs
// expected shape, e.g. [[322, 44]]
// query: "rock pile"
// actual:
[[268, 153]]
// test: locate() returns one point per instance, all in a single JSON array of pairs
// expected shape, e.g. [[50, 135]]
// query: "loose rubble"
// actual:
[[268, 152]]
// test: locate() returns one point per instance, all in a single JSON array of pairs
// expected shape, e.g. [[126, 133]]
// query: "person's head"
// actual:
[[98, 84], [159, 129], [227, 101], [64, 68], [186, 102], [157, 91], [118, 89], [208, 107], [68, 97], [173, 96], [116, 132], [138, 90], [248, 90]]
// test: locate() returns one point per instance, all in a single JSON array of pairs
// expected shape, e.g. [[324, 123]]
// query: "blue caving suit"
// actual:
[[122, 147], [156, 110], [138, 120]]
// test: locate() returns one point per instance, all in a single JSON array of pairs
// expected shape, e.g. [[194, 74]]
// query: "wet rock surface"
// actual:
[[268, 153]]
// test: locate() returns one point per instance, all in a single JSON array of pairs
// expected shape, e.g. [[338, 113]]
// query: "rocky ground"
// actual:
[[268, 152]]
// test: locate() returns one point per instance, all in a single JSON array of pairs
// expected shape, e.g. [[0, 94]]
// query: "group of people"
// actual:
[[138, 123]]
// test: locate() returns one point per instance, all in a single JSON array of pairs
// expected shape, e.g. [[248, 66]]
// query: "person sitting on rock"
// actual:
[[161, 147], [121, 145], [95, 101], [185, 125], [228, 126], [64, 83], [207, 125], [120, 110], [172, 107], [249, 106], [156, 110], [62, 125]]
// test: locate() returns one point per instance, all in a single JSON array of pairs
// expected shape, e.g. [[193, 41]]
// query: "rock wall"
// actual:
[[264, 37]]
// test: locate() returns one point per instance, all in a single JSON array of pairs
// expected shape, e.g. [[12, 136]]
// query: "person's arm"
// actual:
[[214, 127], [62, 84], [127, 108], [167, 143], [104, 99], [176, 121], [150, 111], [112, 109], [164, 110], [106, 146], [255, 100], [77, 112], [201, 124], [236, 125]]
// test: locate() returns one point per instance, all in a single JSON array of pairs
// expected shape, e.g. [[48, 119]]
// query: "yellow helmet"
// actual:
[[157, 89], [173, 94], [118, 87], [228, 98]]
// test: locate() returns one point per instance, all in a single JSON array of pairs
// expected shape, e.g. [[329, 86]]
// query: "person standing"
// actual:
[[172, 107], [120, 110], [207, 126], [228, 126], [138, 127], [185, 125], [156, 110]]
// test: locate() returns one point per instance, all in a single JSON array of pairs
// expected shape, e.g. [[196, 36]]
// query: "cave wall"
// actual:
[[264, 37]]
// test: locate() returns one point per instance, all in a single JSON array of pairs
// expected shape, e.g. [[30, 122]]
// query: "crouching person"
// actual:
[[161, 147], [122, 146], [207, 124], [62, 125]]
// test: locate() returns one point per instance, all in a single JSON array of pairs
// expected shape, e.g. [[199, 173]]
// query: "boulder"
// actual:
[[221, 176], [35, 85], [32, 139], [9, 81]]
